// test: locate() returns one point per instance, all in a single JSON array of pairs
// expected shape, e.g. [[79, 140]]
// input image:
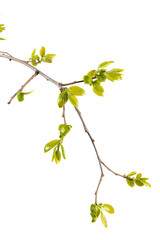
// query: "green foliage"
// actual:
[[74, 90], [20, 95], [98, 89], [64, 129], [70, 93], [2, 28], [73, 100], [104, 64], [136, 180], [50, 145], [103, 219], [100, 75], [57, 144], [63, 152], [114, 74], [97, 210], [62, 98], [36, 59]]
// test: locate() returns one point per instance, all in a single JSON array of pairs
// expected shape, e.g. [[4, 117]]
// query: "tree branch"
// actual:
[[22, 87], [93, 142], [75, 82], [63, 115], [71, 83], [117, 174], [11, 58]]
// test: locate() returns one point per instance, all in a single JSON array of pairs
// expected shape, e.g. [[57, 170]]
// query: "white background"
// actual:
[[42, 200]]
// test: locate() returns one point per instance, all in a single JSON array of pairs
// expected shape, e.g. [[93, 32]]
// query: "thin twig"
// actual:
[[63, 115], [11, 58], [93, 142], [20, 90], [117, 174], [71, 83], [75, 82], [23, 86]]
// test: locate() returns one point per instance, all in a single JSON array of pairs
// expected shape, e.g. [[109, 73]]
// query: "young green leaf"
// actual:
[[20, 96], [87, 79], [73, 100], [108, 208], [50, 145], [50, 57], [57, 156], [62, 98], [33, 53], [63, 152], [98, 89], [94, 212], [145, 183], [104, 64], [42, 51], [139, 183], [131, 173], [91, 74], [101, 75], [103, 219], [75, 90], [139, 175], [54, 152], [64, 129], [114, 74], [26, 93], [131, 182]]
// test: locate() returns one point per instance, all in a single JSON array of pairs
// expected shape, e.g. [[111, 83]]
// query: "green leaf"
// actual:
[[49, 57], [101, 75], [64, 129], [103, 219], [46, 60], [131, 182], [94, 212], [98, 89], [26, 93], [42, 51], [63, 152], [91, 74], [87, 79], [139, 183], [74, 90], [2, 39], [62, 98], [114, 74], [20, 96], [33, 53], [108, 208], [104, 64], [139, 175], [57, 156], [145, 183], [54, 152], [73, 100], [131, 173], [50, 145]]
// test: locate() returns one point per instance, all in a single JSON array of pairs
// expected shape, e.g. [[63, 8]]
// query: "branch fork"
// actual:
[[60, 86]]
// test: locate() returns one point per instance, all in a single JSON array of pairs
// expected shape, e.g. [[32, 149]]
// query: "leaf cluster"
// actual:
[[136, 180], [43, 57], [2, 28], [70, 94], [97, 210], [20, 95], [94, 78], [57, 144]]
